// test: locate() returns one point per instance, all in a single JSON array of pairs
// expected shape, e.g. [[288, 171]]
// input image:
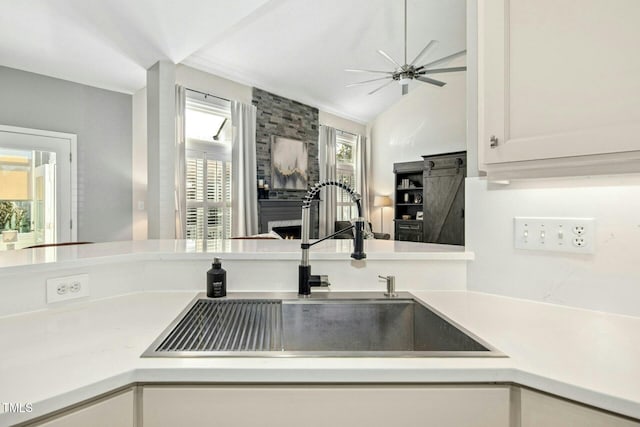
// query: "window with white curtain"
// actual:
[[346, 170], [208, 167]]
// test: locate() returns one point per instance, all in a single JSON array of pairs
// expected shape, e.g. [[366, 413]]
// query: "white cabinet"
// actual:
[[559, 86], [111, 411], [333, 405], [314, 406], [540, 410]]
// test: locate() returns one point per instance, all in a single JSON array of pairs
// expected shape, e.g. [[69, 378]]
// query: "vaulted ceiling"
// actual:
[[296, 48]]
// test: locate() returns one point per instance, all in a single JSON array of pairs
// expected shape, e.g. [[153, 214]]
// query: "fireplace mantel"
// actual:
[[283, 210]]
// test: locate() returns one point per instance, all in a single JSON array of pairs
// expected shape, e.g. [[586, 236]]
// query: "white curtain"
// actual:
[[244, 200], [180, 173], [363, 173], [327, 163]]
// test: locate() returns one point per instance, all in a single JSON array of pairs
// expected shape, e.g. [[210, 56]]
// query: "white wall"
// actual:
[[161, 151], [139, 163], [608, 280], [428, 120]]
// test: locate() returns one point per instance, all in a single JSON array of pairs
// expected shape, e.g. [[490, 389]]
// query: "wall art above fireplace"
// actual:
[[289, 164]]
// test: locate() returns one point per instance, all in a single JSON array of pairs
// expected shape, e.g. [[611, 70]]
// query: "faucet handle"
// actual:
[[391, 286], [321, 280]]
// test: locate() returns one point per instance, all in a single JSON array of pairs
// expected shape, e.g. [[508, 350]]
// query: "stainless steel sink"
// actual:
[[330, 324]]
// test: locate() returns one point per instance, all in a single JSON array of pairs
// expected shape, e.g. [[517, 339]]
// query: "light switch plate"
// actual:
[[576, 235], [67, 288]]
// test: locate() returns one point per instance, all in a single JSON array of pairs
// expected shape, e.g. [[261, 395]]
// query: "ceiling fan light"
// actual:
[[404, 81]]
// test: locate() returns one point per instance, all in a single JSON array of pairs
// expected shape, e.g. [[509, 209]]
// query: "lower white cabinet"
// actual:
[[111, 411], [541, 410], [315, 406], [333, 405]]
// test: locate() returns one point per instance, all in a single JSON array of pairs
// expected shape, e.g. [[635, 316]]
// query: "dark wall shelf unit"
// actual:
[[409, 195]]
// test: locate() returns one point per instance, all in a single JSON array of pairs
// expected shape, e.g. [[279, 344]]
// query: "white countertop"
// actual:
[[78, 255], [58, 357]]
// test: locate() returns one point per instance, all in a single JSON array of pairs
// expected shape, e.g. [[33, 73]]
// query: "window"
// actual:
[[208, 168], [346, 173]]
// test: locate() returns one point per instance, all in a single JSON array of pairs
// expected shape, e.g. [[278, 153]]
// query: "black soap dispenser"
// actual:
[[216, 280]]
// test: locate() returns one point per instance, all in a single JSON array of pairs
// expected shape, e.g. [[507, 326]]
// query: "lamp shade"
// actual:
[[382, 201]]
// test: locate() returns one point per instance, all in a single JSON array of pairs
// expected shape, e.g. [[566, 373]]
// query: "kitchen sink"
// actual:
[[328, 324]]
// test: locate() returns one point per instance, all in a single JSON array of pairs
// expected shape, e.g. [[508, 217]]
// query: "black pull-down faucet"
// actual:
[[305, 279]]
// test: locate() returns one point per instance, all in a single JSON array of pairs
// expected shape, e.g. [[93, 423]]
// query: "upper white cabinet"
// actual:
[[559, 86]]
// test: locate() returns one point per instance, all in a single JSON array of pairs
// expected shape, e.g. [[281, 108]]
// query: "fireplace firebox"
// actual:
[[285, 216]]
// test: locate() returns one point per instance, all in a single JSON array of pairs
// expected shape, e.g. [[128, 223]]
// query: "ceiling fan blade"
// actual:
[[368, 81], [432, 81], [388, 58], [354, 70], [424, 50], [381, 87], [443, 60], [405, 89], [443, 70]]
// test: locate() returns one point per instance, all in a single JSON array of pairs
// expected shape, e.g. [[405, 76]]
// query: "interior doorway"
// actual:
[[37, 187]]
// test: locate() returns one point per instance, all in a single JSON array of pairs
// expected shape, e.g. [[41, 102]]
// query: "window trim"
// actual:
[[209, 150], [210, 102], [346, 168]]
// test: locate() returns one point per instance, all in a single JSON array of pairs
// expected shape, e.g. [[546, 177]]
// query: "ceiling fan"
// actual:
[[403, 74]]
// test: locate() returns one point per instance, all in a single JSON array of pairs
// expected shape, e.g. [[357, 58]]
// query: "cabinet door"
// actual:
[[291, 406], [540, 410], [558, 78], [113, 411]]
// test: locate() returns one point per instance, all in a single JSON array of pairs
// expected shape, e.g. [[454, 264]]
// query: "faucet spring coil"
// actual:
[[311, 193]]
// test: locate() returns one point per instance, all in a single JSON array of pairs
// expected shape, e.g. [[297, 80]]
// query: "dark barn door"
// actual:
[[444, 198]]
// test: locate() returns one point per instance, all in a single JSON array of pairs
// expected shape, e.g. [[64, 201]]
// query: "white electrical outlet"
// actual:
[[555, 234], [66, 288], [75, 286], [579, 242]]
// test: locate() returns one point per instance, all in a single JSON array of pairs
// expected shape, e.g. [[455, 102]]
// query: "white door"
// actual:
[[37, 181]]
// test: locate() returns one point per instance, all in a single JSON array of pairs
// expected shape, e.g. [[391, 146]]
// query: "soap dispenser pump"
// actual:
[[216, 280]]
